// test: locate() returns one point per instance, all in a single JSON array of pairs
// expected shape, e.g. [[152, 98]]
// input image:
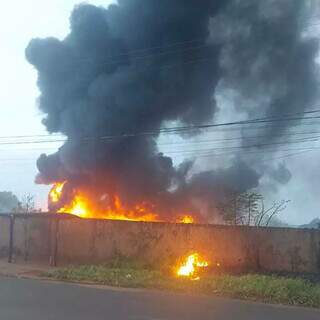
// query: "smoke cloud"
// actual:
[[267, 58], [136, 65]]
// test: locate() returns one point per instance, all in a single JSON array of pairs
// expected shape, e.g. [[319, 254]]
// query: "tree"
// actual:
[[25, 205], [240, 208], [249, 209], [267, 215], [8, 201]]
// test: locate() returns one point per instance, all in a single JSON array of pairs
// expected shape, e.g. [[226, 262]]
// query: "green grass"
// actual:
[[270, 289]]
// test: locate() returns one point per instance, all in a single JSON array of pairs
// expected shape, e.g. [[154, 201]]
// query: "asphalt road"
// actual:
[[36, 300]]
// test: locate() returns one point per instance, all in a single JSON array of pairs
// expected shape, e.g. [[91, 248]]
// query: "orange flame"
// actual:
[[56, 192], [191, 266], [78, 208], [186, 219], [83, 207]]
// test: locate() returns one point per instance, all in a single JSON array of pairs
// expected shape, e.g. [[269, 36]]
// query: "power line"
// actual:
[[111, 62], [32, 136], [249, 154], [212, 155], [171, 130], [142, 50], [265, 146], [284, 117], [189, 141], [291, 155], [132, 54], [301, 137], [258, 127], [255, 146]]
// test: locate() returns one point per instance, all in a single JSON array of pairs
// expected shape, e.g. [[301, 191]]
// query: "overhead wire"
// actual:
[[179, 129], [213, 155], [184, 46]]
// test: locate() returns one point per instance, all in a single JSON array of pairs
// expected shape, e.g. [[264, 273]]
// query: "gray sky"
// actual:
[[20, 21]]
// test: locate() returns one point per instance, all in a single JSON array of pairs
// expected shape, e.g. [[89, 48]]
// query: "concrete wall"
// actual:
[[4, 236], [77, 241], [32, 238]]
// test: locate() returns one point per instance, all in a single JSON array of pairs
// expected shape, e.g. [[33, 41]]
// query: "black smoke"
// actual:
[[267, 58], [130, 68]]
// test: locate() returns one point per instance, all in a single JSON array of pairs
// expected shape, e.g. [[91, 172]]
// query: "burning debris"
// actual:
[[125, 71], [191, 266]]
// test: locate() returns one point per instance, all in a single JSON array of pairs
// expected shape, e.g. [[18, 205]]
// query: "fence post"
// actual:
[[11, 230], [54, 241]]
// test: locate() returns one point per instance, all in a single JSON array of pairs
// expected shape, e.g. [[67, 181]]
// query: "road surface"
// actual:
[[37, 300]]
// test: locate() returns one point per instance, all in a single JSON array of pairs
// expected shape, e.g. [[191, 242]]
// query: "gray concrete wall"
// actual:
[[77, 241]]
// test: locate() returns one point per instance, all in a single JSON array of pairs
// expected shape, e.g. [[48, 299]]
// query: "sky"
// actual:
[[19, 23]]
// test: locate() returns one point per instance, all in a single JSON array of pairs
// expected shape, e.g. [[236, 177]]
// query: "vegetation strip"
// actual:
[[264, 288]]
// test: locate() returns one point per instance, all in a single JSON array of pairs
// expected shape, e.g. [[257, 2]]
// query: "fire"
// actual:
[[82, 205], [191, 266], [83, 208], [186, 219], [56, 192], [78, 207]]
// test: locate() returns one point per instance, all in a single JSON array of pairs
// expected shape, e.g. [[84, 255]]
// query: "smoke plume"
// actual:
[[126, 70]]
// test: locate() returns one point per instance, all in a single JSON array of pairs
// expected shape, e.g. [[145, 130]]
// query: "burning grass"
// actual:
[[191, 266], [265, 288]]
